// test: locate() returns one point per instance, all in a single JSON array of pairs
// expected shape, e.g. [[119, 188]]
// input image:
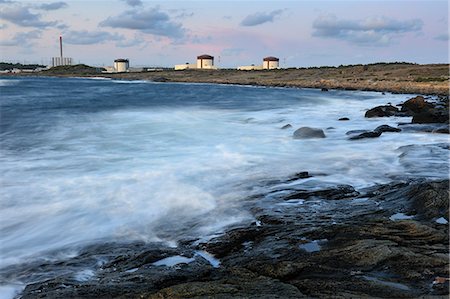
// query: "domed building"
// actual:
[[270, 63]]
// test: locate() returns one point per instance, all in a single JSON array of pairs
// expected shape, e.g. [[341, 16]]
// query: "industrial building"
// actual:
[[121, 65], [270, 63], [204, 61], [61, 60]]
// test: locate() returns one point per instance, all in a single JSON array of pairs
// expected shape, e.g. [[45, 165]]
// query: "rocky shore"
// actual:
[[387, 241], [384, 241]]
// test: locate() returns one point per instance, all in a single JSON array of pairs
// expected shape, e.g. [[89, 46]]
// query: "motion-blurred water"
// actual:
[[89, 160]]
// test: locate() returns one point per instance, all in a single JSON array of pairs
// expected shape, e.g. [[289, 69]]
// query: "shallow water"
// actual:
[[87, 160]]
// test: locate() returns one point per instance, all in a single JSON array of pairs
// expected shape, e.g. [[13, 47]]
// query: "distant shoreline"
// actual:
[[430, 79]]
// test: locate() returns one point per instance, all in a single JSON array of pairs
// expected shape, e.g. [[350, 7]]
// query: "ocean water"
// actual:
[[93, 160]]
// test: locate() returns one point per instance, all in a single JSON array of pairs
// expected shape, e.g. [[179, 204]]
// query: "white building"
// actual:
[[121, 65], [250, 67], [186, 66], [57, 61], [270, 63], [205, 62]]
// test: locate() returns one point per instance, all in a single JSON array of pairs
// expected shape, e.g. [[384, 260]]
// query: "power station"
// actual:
[[61, 60]]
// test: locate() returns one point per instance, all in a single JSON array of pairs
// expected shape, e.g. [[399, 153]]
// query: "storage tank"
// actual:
[[205, 62], [270, 63], [121, 65]]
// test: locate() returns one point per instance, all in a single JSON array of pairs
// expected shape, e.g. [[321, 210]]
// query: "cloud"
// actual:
[[151, 21], [21, 16], [133, 2], [53, 6], [260, 18], [371, 31], [23, 39], [84, 37], [442, 37]]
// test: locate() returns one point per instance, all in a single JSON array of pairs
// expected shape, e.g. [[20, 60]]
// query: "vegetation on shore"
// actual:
[[6, 66], [78, 70]]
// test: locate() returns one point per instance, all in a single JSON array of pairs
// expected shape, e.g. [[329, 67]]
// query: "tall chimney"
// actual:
[[60, 48]]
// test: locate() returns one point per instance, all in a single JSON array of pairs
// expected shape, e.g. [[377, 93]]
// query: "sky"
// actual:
[[165, 33]]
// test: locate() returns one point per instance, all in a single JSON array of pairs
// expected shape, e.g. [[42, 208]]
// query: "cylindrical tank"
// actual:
[[205, 61], [270, 63], [121, 65]]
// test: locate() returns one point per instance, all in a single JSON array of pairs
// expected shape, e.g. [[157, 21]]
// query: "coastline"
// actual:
[[383, 241], [431, 79]]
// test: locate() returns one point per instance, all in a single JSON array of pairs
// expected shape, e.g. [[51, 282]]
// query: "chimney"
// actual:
[[60, 48]]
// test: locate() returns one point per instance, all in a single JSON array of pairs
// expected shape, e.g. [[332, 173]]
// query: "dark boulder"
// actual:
[[286, 126], [432, 115], [386, 128], [370, 134], [307, 133], [415, 105], [382, 111], [344, 118], [324, 89]]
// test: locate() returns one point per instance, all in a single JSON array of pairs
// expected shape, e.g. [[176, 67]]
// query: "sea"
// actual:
[[91, 160]]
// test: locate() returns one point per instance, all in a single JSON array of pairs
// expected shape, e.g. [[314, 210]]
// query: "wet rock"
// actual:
[[339, 192], [381, 111], [370, 134], [307, 133], [331, 128], [432, 115], [298, 176], [386, 128], [442, 130], [430, 199], [415, 105], [324, 89], [344, 118], [354, 132], [286, 126]]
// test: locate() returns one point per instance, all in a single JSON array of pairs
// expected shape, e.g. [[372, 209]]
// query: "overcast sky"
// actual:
[[164, 33]]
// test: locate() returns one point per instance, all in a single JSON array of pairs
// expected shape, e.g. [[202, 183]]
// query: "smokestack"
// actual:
[[60, 47]]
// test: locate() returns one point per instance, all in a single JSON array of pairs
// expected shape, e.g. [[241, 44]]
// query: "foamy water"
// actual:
[[87, 161]]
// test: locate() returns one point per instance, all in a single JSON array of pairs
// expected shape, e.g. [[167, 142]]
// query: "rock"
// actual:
[[430, 199], [381, 111], [370, 134], [386, 128], [442, 130], [415, 105], [298, 176], [353, 132], [344, 118], [286, 126], [324, 89], [307, 132], [432, 115], [336, 193], [330, 128]]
